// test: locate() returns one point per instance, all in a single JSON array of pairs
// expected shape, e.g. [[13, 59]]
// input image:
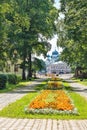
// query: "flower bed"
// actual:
[[54, 85], [51, 101]]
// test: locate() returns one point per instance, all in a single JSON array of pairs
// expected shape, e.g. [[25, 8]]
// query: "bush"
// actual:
[[12, 78], [3, 81], [19, 79]]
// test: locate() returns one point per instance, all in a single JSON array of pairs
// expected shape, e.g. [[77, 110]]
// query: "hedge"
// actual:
[[3, 81]]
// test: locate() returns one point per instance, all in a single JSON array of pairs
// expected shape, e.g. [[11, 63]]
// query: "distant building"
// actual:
[[52, 58], [53, 65], [58, 68]]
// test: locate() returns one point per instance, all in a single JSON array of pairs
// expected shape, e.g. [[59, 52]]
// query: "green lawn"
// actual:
[[16, 109], [10, 87], [84, 81]]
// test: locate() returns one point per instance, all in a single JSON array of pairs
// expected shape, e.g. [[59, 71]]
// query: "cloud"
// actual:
[[53, 42], [57, 4]]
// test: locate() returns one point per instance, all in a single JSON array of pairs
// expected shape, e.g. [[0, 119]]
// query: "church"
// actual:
[[55, 66]]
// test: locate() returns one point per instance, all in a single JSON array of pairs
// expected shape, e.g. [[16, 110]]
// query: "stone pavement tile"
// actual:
[[55, 125], [82, 124], [67, 125], [49, 124], [60, 125], [30, 123], [41, 124], [36, 124], [5, 122], [72, 124]]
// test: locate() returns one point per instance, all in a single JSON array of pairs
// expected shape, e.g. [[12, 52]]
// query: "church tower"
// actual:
[[55, 56]]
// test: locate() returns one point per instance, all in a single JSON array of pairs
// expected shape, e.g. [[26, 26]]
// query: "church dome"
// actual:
[[55, 53], [48, 56]]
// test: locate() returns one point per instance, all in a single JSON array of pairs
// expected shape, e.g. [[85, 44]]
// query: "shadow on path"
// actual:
[[75, 86], [29, 88], [77, 89]]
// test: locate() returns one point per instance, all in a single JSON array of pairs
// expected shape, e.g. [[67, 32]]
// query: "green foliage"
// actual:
[[5, 27], [22, 29], [12, 78], [72, 32], [19, 79], [10, 87], [3, 81], [38, 64]]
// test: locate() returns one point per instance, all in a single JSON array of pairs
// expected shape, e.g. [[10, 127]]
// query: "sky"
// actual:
[[53, 43], [57, 4]]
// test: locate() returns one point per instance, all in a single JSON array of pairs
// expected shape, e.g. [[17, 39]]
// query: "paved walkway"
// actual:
[[34, 124], [9, 97], [77, 87], [80, 89], [42, 124]]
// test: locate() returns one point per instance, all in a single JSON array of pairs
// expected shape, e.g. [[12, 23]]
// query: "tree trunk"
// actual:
[[23, 74], [24, 68], [29, 76]]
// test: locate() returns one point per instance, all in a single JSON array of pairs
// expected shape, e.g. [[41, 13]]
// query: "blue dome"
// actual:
[[55, 53], [48, 56]]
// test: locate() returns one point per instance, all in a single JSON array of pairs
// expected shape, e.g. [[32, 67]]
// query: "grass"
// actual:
[[81, 105], [41, 86], [84, 82], [67, 86], [10, 87], [16, 109]]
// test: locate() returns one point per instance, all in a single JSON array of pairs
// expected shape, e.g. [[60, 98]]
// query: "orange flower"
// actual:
[[61, 101]]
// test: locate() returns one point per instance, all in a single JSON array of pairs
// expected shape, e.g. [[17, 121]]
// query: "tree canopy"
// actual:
[[26, 26], [72, 32]]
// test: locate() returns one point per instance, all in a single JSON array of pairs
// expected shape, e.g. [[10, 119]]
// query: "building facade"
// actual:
[[58, 68], [53, 65]]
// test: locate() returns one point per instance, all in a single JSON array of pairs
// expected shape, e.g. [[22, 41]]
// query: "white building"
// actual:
[[58, 67], [53, 65]]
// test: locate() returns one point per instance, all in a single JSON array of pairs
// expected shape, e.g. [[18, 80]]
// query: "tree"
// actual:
[[41, 13], [74, 34], [31, 23], [38, 65], [34, 39], [4, 28]]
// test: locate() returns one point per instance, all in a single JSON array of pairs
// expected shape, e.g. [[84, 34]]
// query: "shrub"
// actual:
[[18, 79], [12, 78], [3, 81]]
